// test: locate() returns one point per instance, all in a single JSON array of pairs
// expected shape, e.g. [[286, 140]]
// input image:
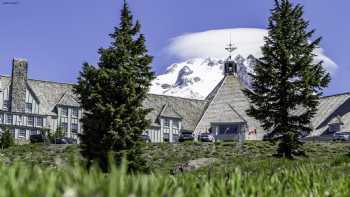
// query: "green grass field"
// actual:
[[37, 170]]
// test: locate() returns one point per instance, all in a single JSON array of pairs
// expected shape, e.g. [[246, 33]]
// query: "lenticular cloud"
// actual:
[[212, 44]]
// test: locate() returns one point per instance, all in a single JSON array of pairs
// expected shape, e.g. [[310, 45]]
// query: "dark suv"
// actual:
[[39, 138], [65, 140], [186, 136]]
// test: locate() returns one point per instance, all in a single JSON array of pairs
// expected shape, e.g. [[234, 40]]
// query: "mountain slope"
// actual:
[[196, 78]]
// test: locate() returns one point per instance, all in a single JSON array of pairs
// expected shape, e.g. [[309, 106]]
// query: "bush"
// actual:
[[6, 139]]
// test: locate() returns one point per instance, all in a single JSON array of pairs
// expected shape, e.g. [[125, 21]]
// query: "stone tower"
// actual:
[[18, 85]]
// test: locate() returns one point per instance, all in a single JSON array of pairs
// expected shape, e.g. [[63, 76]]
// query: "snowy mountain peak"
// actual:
[[196, 78]]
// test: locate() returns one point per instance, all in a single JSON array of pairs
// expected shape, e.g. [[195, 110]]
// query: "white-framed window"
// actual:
[[64, 111], [64, 127], [75, 112], [19, 120], [29, 107], [176, 124], [22, 133], [9, 119], [5, 106], [39, 121], [74, 127], [166, 123], [30, 121], [176, 127]]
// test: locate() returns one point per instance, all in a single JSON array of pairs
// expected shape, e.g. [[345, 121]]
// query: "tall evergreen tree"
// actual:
[[287, 83], [112, 94]]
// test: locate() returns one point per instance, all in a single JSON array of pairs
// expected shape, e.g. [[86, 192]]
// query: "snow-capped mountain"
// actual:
[[196, 78]]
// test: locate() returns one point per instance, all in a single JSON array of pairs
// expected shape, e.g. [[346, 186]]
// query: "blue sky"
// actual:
[[57, 36]]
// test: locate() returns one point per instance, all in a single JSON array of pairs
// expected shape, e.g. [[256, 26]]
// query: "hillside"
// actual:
[[37, 170], [162, 158]]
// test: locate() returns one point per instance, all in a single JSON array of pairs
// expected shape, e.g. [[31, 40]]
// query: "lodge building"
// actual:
[[30, 106]]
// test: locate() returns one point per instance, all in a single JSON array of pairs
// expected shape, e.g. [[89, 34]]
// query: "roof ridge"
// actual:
[[41, 80], [169, 106], [334, 95], [332, 112]]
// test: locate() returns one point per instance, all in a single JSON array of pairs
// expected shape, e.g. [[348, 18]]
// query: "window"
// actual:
[[74, 127], [22, 133], [166, 122], [176, 127], [9, 119], [176, 124], [5, 105], [334, 128], [33, 132], [30, 121], [18, 120], [29, 107], [39, 121], [166, 137], [64, 127], [75, 112], [64, 111]]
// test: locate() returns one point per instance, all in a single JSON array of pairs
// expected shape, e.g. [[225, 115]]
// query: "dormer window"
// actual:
[[166, 122], [176, 124], [75, 112], [29, 107], [64, 111]]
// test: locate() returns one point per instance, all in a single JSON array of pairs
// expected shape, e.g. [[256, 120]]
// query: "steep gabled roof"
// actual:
[[168, 111], [189, 110], [328, 105], [68, 100], [48, 93], [228, 100]]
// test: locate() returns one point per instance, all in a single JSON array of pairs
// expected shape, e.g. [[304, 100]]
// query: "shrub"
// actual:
[[6, 139]]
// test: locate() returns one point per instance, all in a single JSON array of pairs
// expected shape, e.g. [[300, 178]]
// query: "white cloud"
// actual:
[[212, 43]]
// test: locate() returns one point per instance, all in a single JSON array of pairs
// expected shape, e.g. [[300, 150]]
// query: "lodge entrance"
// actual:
[[227, 131]]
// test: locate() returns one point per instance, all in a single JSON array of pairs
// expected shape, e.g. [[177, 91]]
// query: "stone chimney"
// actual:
[[18, 85]]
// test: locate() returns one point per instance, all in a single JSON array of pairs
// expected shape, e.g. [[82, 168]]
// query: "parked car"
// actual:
[[206, 137], [341, 136], [38, 138], [186, 136], [65, 140]]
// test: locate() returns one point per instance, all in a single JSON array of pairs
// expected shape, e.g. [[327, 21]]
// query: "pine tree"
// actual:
[[287, 82], [112, 94]]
